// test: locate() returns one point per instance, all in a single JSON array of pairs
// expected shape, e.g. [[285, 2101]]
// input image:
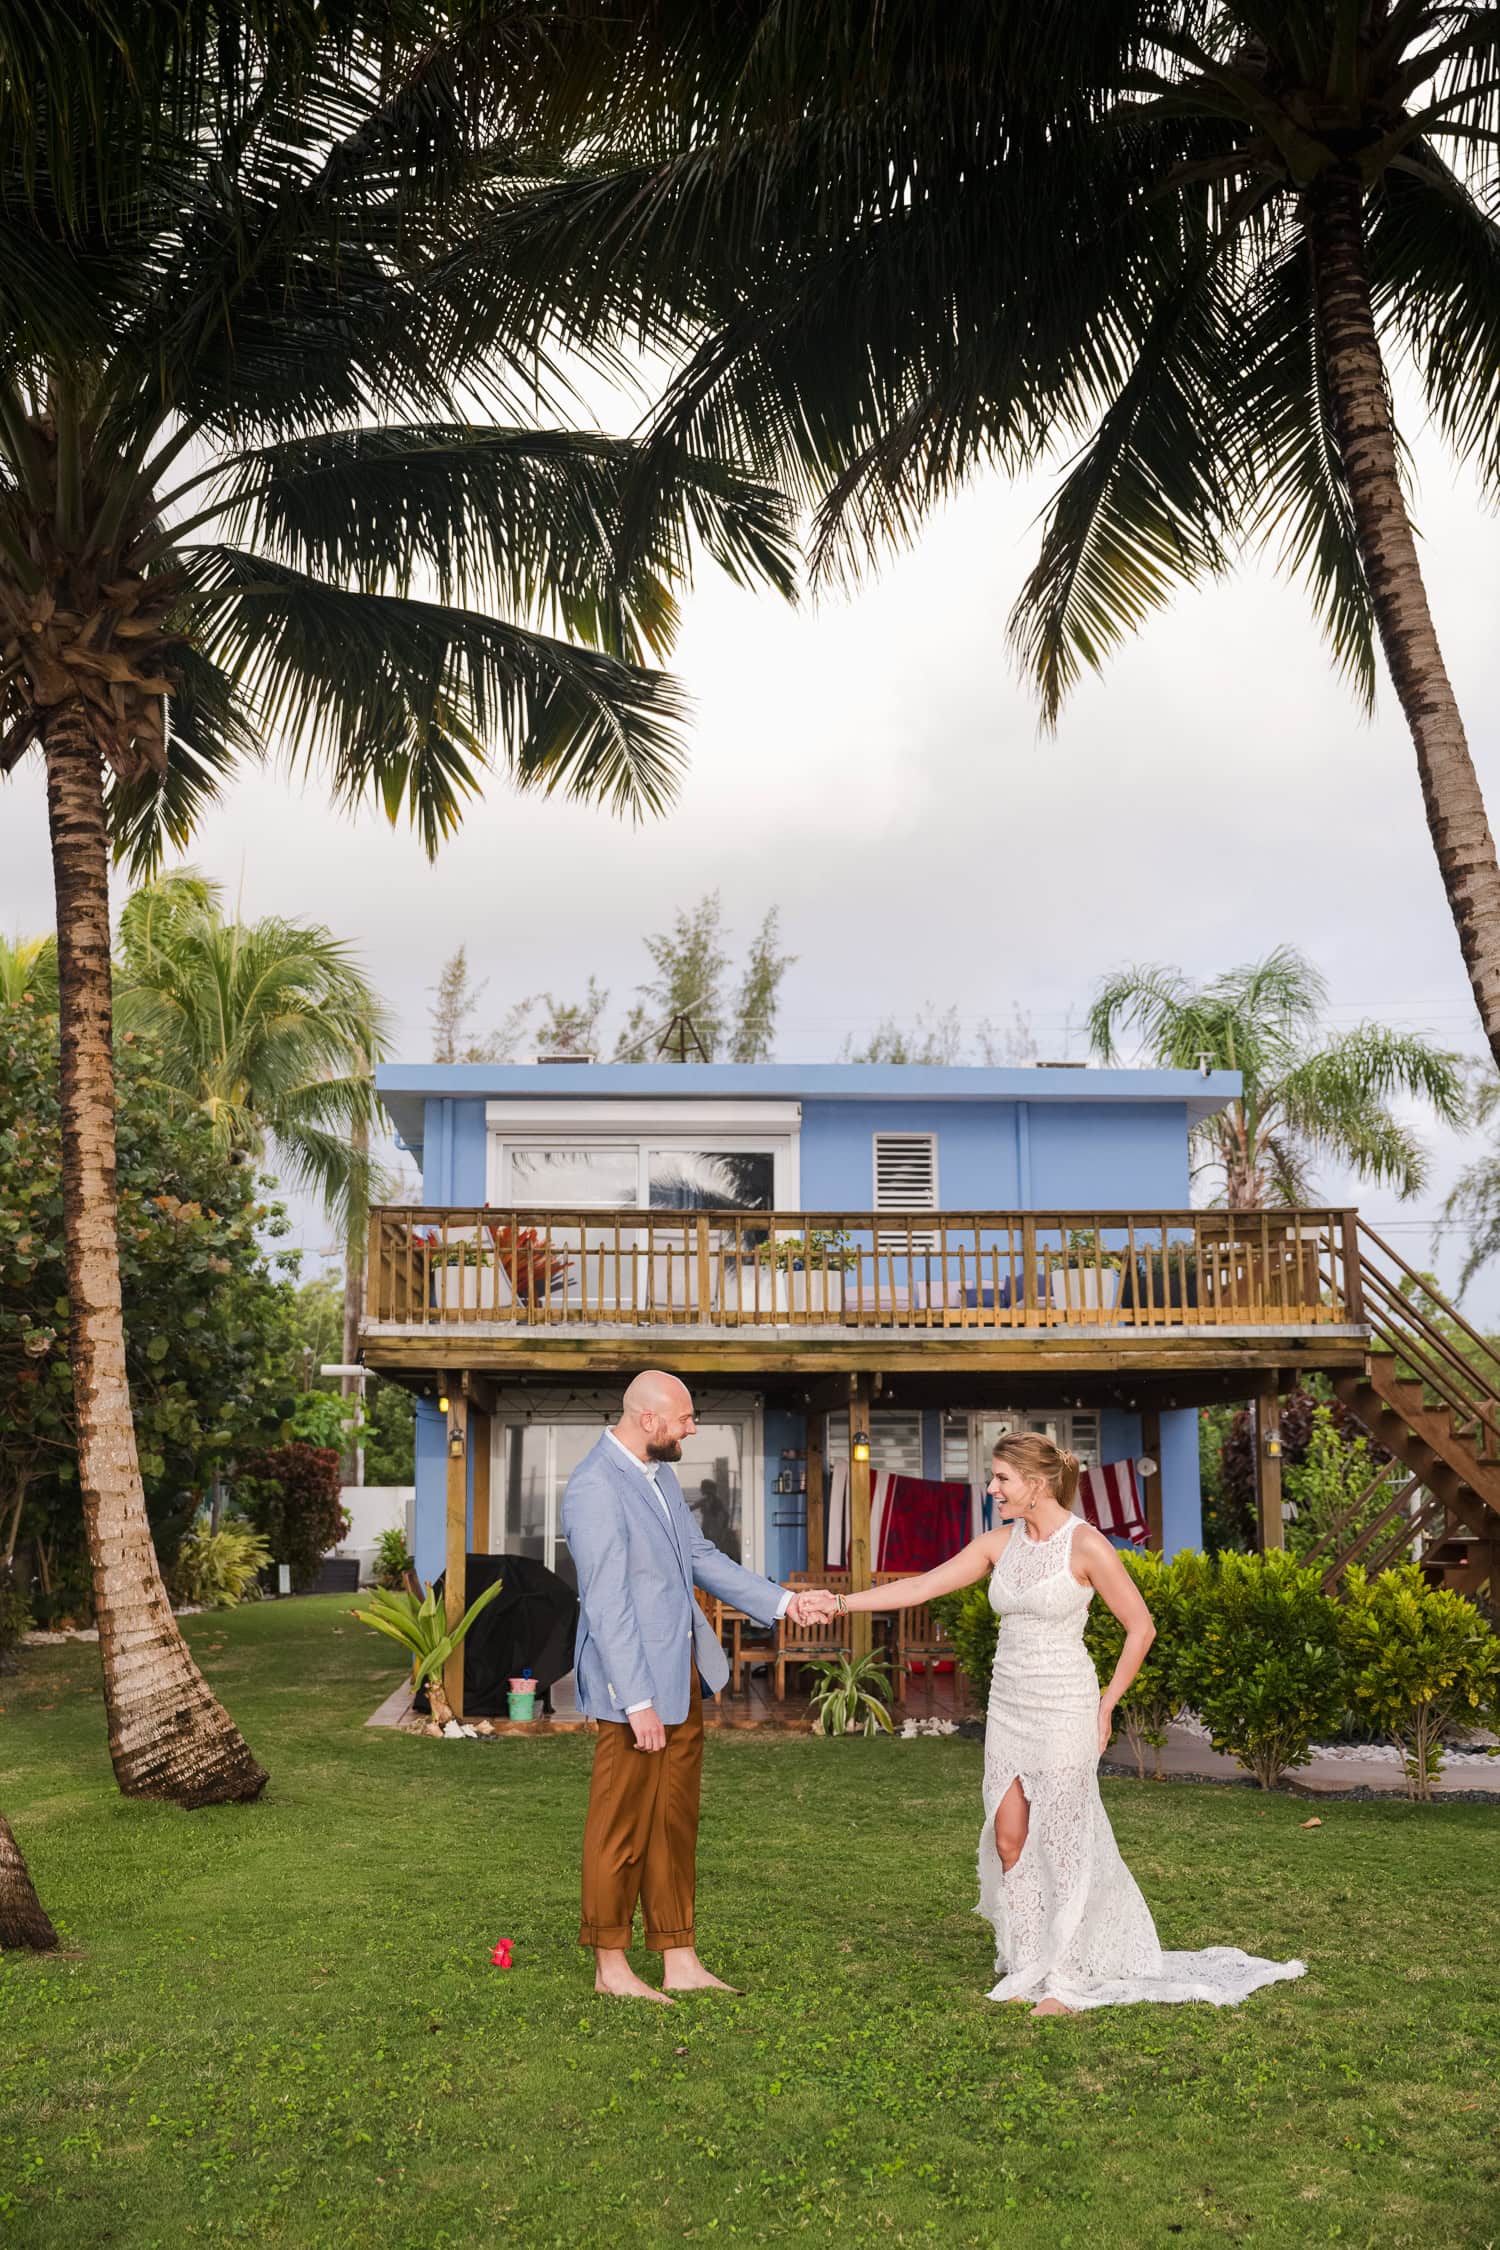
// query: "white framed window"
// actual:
[[895, 1440], [656, 1156], [720, 1473], [906, 1179], [968, 1438]]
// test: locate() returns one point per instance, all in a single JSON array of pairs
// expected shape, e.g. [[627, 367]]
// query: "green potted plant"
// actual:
[[852, 1696], [420, 1627], [792, 1272]]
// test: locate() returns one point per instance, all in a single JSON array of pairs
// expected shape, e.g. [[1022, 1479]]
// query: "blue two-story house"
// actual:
[[840, 1260]]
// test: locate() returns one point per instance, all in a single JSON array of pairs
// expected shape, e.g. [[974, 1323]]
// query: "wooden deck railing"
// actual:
[[990, 1270]]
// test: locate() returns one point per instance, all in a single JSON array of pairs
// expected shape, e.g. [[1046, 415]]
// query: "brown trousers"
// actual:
[[640, 1840]]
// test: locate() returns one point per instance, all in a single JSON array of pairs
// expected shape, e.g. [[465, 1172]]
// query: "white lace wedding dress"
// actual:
[[1069, 1921]]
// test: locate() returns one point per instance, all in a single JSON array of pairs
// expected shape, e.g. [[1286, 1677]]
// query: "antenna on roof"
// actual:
[[681, 1032]]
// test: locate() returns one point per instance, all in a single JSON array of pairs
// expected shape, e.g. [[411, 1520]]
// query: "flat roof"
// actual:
[[404, 1088]]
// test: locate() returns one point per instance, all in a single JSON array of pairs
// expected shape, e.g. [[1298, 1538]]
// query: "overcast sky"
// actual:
[[874, 767]]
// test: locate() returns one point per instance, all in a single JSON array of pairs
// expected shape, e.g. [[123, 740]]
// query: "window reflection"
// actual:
[[687, 1179]]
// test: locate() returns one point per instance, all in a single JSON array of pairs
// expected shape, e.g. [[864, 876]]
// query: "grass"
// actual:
[[278, 2024]]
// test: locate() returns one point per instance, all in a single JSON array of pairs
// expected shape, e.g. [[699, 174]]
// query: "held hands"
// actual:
[[812, 1605]]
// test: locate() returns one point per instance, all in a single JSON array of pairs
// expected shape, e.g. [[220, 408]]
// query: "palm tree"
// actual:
[[1303, 1098], [1176, 239], [23, 1919], [269, 1028], [243, 505]]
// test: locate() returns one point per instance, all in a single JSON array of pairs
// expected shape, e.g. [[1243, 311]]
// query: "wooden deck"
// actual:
[[569, 1293]]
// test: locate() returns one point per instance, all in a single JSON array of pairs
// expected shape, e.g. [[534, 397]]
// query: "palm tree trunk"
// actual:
[[1361, 405], [168, 1735], [23, 1920]]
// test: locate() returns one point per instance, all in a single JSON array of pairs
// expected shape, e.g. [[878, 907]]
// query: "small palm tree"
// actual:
[[268, 481], [1303, 1098], [269, 1028], [24, 1923]]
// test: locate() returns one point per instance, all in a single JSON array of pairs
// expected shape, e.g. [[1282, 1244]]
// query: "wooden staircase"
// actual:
[[1430, 1395]]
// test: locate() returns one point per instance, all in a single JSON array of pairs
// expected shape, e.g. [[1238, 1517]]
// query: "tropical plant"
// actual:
[[291, 1494], [973, 1626], [394, 1560], [852, 1696], [1420, 1658], [269, 1028], [28, 968], [1175, 242], [420, 1626], [1337, 1482], [207, 1308], [24, 1923], [1154, 1698], [241, 420], [1264, 1666], [1302, 1097], [216, 1569]]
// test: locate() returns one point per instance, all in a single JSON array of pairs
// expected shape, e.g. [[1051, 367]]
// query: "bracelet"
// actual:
[[843, 1606]]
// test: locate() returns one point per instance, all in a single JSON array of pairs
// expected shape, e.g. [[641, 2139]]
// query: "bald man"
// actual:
[[646, 1654]]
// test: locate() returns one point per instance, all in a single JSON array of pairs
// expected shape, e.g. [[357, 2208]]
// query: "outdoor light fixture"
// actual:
[[1145, 1467], [442, 1402], [456, 1444], [1273, 1445], [860, 1449]]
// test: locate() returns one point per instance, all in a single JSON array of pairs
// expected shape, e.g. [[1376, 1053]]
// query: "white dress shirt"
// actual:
[[648, 1470]]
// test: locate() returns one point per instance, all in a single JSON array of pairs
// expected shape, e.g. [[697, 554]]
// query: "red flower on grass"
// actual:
[[500, 1958]]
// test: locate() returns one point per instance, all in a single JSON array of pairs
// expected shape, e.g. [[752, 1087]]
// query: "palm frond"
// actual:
[[208, 733], [410, 702], [580, 531]]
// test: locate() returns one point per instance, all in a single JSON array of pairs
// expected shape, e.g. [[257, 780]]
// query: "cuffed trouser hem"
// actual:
[[614, 1937], [657, 1941]]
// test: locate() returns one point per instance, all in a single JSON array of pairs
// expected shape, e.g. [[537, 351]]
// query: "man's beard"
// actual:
[[666, 1449]]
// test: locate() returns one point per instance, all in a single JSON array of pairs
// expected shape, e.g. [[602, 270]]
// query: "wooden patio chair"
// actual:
[[807, 1644], [921, 1639]]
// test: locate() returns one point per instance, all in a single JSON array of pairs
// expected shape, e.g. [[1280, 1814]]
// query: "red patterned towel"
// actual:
[[923, 1523]]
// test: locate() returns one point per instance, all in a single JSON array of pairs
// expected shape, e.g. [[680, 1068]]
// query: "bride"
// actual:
[[1071, 1928]]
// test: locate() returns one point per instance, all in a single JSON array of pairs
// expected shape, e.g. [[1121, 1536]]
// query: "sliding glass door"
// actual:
[[535, 1459]]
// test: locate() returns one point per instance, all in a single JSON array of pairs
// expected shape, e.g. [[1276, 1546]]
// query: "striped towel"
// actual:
[[1110, 1499]]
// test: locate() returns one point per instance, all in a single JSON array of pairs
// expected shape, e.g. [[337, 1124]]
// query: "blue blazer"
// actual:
[[639, 1628]]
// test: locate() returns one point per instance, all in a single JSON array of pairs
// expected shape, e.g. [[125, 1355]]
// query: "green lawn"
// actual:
[[279, 2024]]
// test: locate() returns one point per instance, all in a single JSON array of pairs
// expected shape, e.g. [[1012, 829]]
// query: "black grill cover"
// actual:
[[530, 1625]]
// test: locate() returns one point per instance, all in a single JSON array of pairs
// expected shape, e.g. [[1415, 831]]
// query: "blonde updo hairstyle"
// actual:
[[1034, 1456]]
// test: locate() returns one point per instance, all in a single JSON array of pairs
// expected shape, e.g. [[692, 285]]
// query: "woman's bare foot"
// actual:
[[682, 1971], [1052, 2008], [614, 1977]]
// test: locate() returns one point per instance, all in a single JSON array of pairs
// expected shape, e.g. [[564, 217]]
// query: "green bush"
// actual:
[[216, 1569], [1263, 1662], [1172, 1592], [973, 1628], [291, 1495], [1420, 1657], [393, 1560]]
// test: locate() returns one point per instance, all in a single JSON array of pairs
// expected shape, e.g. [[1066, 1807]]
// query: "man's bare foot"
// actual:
[[1052, 2008], [615, 1978], [682, 1971]]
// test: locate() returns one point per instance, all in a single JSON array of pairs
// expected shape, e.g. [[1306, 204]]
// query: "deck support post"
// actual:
[[817, 1533], [861, 1394], [479, 1441], [1151, 1447], [455, 1554], [1271, 1530]]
